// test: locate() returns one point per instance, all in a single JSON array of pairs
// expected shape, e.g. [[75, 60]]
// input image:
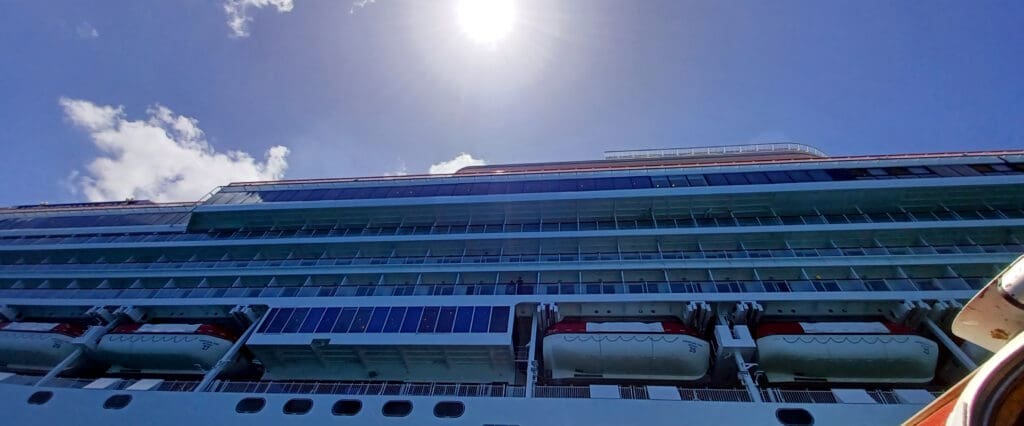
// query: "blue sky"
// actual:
[[395, 87]]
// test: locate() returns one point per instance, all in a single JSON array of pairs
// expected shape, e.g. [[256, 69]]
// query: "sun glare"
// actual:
[[486, 21]]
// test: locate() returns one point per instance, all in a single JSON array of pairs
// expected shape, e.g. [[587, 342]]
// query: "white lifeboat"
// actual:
[[845, 352], [164, 348], [666, 350], [36, 345]]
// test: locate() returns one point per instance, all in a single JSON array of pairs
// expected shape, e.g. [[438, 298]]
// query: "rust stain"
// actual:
[[999, 334]]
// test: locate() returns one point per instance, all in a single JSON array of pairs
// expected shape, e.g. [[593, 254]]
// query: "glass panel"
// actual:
[[499, 319], [377, 320], [481, 319], [268, 320], [429, 319], [360, 321], [412, 319], [394, 322], [463, 319], [309, 325], [445, 320], [327, 322], [344, 320]]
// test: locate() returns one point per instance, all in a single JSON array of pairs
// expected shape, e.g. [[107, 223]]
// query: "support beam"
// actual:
[[89, 340], [958, 354], [226, 360], [531, 364], [744, 373]]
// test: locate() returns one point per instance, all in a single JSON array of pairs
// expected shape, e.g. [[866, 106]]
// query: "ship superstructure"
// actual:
[[763, 284]]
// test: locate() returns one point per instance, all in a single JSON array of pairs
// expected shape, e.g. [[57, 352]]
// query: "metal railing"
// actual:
[[760, 148]]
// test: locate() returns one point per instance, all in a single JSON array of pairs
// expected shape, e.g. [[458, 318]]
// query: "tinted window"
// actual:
[[429, 319], [463, 319], [396, 409], [295, 321], [250, 405], [298, 406], [499, 319], [412, 320], [394, 321], [347, 407], [378, 320], [40, 398], [360, 321], [716, 179], [312, 320], [794, 417], [279, 320], [344, 320], [117, 402], [449, 409], [445, 320], [481, 319], [327, 322]]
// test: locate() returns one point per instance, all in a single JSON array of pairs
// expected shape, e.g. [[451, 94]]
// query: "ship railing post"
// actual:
[[531, 365], [89, 340], [748, 381], [229, 356], [958, 354]]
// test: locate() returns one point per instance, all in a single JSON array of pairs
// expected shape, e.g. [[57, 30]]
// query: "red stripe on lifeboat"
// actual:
[[67, 329], [213, 330]]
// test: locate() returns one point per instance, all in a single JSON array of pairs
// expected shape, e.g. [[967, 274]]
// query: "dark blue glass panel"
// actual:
[[268, 320], [515, 187], [604, 184], [445, 320], [736, 178], [412, 319], [334, 194], [279, 320], [497, 188], [481, 319], [564, 185], [819, 175], [429, 319], [499, 319], [344, 320], [799, 176], [316, 194], [479, 188], [678, 181], [840, 174], [696, 180], [778, 177], [463, 189], [716, 179], [295, 321], [445, 190], [377, 321], [757, 178], [641, 182], [380, 192], [360, 321], [585, 185], [309, 325], [327, 322], [394, 322], [622, 183], [534, 186], [463, 319]]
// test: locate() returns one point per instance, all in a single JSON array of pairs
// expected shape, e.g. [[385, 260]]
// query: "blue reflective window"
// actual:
[[481, 319], [564, 185], [412, 319], [604, 184], [327, 322], [394, 322], [295, 321], [463, 319], [312, 320], [445, 320], [499, 319], [429, 319], [678, 181], [445, 190], [534, 186], [269, 318], [279, 320], [584, 184], [497, 188], [360, 321], [819, 175], [736, 178], [799, 176], [716, 179], [515, 187], [640, 182], [344, 320], [696, 180], [622, 183], [757, 178], [778, 177], [478, 188], [377, 320]]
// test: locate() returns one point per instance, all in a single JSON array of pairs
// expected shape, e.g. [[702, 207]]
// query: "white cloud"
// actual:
[[238, 13], [359, 4], [86, 30], [453, 165], [163, 158]]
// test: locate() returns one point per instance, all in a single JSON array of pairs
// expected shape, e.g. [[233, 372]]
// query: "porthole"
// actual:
[[794, 417], [250, 405], [449, 409], [347, 407], [298, 406], [396, 408], [117, 402], [40, 398]]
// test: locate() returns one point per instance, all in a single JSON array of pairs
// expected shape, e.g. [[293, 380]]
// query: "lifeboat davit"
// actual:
[[36, 345], [665, 350], [164, 348], [845, 352]]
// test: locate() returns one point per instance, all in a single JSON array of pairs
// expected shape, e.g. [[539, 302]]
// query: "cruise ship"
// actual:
[[751, 284]]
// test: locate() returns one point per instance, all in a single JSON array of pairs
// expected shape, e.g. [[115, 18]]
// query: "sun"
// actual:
[[486, 21]]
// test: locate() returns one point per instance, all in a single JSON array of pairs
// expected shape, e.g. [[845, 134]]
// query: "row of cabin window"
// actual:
[[618, 183], [92, 221], [413, 319]]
